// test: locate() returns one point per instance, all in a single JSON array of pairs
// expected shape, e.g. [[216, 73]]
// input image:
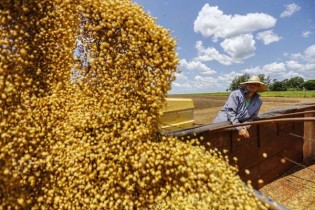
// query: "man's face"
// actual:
[[252, 87]]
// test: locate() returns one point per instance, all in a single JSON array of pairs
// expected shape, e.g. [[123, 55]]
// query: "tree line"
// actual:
[[292, 84]]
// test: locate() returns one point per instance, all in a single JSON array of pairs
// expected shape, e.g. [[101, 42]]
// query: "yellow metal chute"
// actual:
[[178, 114]]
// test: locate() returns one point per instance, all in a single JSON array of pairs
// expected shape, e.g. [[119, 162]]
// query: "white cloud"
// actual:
[[180, 76], [306, 34], [268, 37], [288, 75], [198, 84], [201, 82], [196, 66], [240, 47], [210, 54], [181, 85], [299, 64], [268, 69], [294, 56], [212, 84], [309, 54], [289, 10], [227, 78], [211, 22], [237, 49], [295, 65], [273, 68], [252, 71], [310, 67]]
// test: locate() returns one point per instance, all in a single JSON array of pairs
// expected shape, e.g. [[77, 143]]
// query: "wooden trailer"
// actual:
[[279, 140]]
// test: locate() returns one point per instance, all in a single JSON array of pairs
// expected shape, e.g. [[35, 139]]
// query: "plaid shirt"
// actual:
[[235, 110]]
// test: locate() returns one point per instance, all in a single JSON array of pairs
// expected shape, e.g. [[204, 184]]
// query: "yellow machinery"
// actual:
[[178, 114]]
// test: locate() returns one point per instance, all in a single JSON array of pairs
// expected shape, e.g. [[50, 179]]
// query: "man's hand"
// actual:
[[244, 133]]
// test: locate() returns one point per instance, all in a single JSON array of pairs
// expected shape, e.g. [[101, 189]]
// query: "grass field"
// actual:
[[207, 105], [290, 94], [287, 94]]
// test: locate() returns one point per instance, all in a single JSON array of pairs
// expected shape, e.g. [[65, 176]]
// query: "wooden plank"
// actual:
[[220, 140], [287, 135], [271, 168], [309, 137], [246, 152]]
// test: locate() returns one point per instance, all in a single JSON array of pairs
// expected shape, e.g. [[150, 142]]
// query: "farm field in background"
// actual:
[[288, 94], [207, 105]]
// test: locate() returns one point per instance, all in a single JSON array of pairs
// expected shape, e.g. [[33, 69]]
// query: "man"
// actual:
[[242, 105]]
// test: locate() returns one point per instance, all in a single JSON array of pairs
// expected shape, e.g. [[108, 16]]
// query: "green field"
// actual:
[[287, 94], [290, 94]]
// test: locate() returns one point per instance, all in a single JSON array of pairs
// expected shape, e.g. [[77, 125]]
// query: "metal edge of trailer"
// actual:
[[273, 205]]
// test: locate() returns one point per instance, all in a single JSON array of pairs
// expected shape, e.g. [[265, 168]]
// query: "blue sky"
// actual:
[[218, 40]]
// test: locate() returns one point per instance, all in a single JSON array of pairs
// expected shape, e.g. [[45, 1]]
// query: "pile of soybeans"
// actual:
[[81, 86]]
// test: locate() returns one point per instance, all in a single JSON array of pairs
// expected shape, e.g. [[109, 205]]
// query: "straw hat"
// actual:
[[255, 79]]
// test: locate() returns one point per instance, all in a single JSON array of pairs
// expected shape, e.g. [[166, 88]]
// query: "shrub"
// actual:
[[278, 86], [309, 85]]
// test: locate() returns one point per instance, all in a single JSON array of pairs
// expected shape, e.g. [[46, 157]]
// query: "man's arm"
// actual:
[[244, 129], [231, 107]]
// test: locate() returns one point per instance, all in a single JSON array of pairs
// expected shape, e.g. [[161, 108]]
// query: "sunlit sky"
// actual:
[[218, 40]]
